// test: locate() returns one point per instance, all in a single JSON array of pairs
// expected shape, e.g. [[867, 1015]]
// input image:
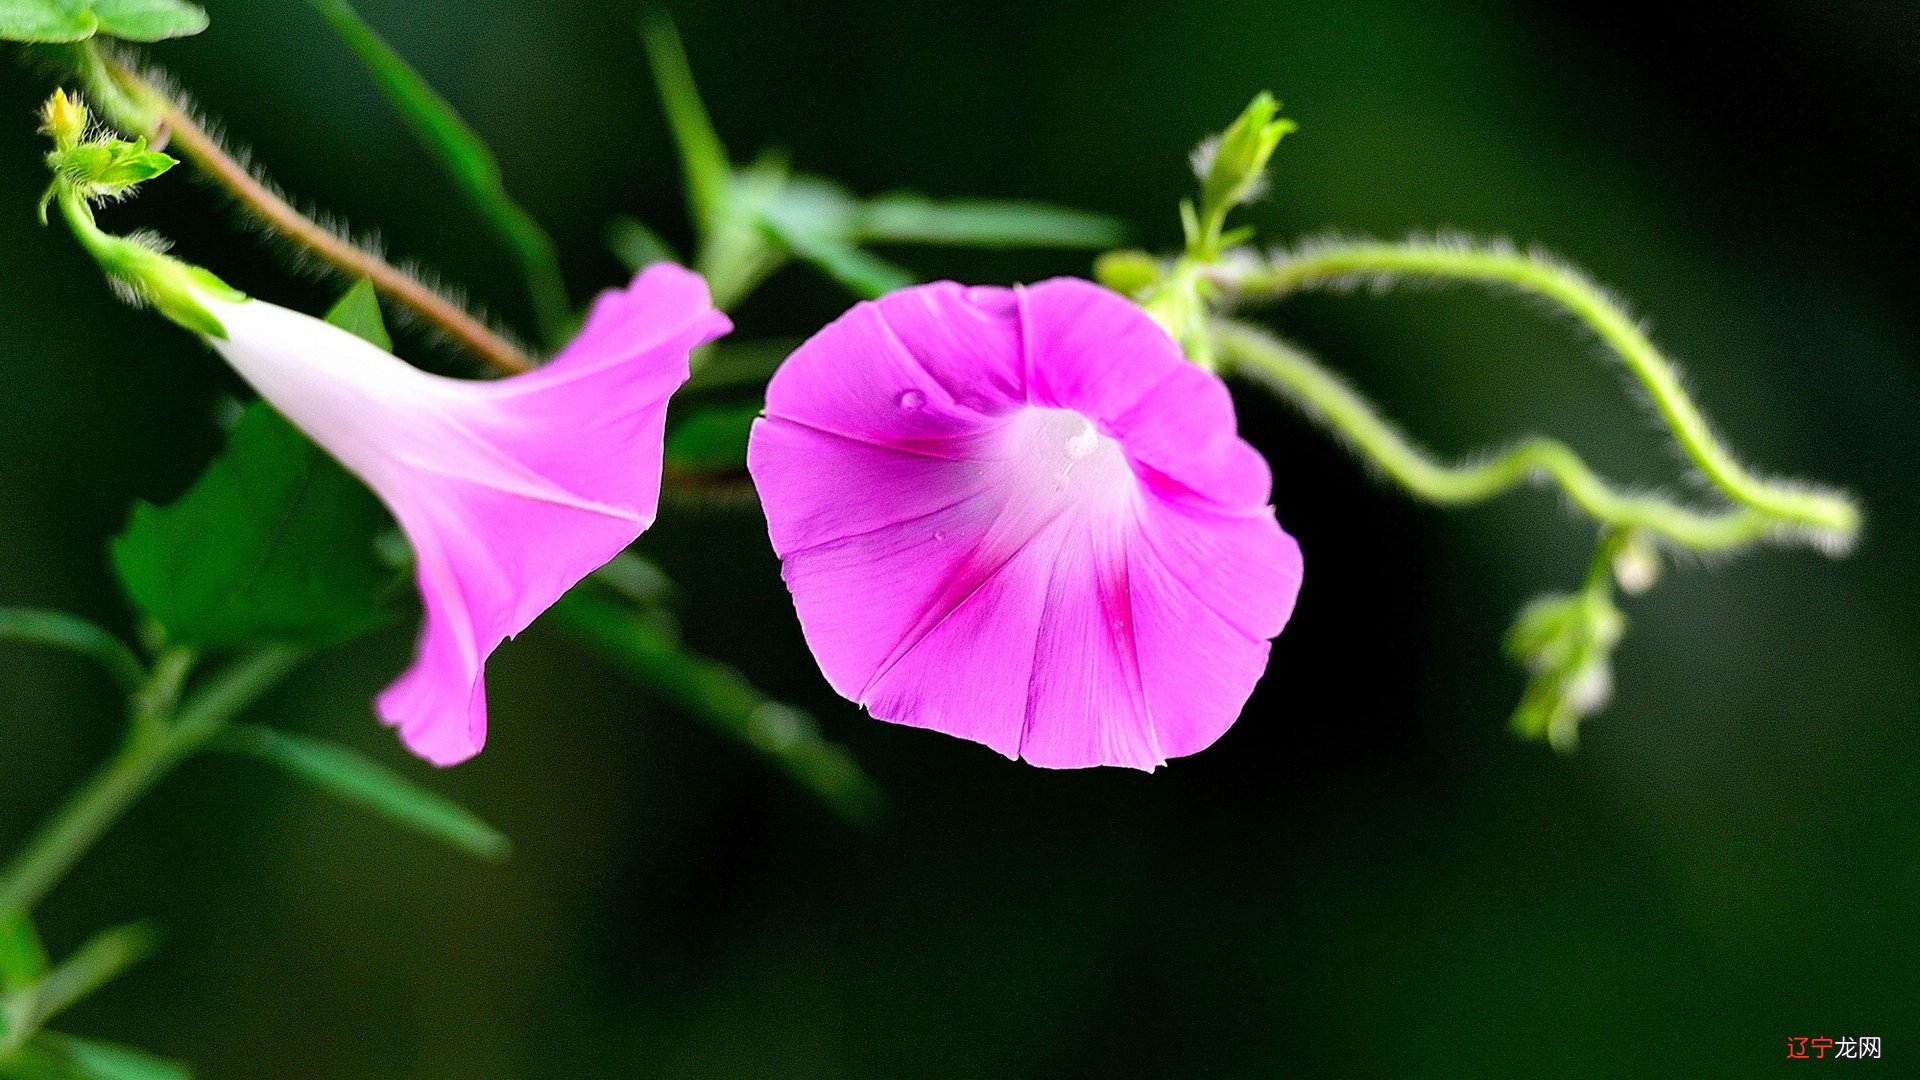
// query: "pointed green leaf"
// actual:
[[905, 218], [23, 960], [636, 245], [352, 777], [46, 21], [639, 643], [812, 205], [815, 220], [703, 157], [736, 253], [91, 1059], [358, 313], [109, 167], [465, 159], [864, 275], [712, 440], [274, 542], [105, 957], [33, 1062], [61, 630], [149, 20]]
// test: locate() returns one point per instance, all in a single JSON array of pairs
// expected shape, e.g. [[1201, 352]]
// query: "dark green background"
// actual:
[[1367, 877]]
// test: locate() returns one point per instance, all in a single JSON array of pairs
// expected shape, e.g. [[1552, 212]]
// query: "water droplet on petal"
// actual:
[[1083, 442], [912, 399]]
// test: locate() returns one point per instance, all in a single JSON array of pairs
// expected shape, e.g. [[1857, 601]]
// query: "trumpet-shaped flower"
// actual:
[[510, 492], [1020, 516]]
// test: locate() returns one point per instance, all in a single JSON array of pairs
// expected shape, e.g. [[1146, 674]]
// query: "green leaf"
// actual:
[[905, 218], [148, 20], [703, 158], [54, 21], [465, 159], [640, 644], [866, 276], [636, 245], [358, 313], [814, 219], [812, 205], [64, 631], [1567, 642], [637, 579], [105, 957], [736, 252], [355, 778], [110, 167], [31, 1062], [94, 1060], [46, 21], [274, 542], [23, 960], [712, 440]]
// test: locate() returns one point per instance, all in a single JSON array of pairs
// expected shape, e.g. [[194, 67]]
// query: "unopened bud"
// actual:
[[1233, 165], [1130, 273], [1636, 566], [64, 119]]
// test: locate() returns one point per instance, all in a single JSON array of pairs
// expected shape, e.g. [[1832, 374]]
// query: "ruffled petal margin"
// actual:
[[943, 481]]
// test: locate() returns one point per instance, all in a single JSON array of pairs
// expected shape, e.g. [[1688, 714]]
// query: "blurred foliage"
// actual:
[[61, 21], [1366, 877]]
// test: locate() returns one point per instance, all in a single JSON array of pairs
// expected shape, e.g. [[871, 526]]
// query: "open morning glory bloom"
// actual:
[[1020, 516], [510, 492]]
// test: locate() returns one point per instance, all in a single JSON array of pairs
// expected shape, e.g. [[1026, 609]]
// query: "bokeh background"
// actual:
[[1368, 876]]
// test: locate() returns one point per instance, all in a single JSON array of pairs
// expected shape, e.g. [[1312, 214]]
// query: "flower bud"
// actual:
[[1567, 642], [1636, 565], [1232, 165], [64, 119]]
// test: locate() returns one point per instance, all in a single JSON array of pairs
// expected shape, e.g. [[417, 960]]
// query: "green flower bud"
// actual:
[[1232, 169], [1636, 565], [65, 120], [1130, 273], [89, 170], [1567, 642]]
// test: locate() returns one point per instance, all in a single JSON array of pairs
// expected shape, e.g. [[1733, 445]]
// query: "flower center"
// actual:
[[1059, 455]]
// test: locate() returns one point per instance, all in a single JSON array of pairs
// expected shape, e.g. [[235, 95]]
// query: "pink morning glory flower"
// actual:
[[510, 491], [1021, 517]]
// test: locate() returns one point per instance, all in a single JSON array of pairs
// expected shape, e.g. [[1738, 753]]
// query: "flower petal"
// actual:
[[814, 508], [1086, 702], [861, 599], [1091, 350], [510, 492], [908, 372], [1021, 517], [1202, 627]]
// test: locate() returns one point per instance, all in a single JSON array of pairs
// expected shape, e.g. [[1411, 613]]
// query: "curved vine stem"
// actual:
[[142, 108], [1324, 396], [162, 739], [1830, 520]]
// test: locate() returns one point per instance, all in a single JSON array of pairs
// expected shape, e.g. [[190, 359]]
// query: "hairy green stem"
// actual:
[[1327, 398], [149, 754], [1830, 518], [138, 106], [470, 165]]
